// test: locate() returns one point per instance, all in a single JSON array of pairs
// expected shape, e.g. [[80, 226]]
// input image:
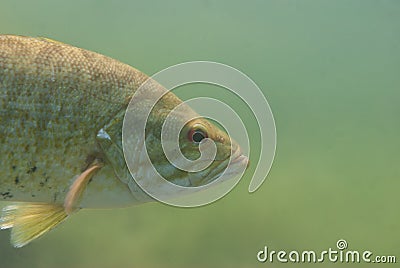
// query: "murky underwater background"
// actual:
[[330, 71]]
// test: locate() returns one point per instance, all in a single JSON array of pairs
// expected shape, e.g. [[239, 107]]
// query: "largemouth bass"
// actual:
[[61, 114]]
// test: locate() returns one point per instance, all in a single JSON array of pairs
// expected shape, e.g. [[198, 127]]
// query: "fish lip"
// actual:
[[240, 158], [237, 159]]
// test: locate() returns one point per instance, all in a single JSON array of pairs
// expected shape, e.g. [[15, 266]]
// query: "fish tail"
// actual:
[[30, 220]]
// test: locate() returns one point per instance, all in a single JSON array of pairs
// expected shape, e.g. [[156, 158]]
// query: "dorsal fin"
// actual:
[[49, 40]]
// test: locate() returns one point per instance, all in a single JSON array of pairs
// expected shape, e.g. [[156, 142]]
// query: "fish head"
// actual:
[[168, 137], [208, 151]]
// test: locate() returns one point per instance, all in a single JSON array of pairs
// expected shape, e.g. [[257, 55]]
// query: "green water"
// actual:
[[330, 70]]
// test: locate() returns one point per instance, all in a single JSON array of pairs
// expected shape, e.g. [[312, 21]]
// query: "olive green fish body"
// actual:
[[62, 114]]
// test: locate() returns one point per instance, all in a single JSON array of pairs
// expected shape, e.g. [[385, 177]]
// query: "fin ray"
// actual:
[[30, 221], [78, 186]]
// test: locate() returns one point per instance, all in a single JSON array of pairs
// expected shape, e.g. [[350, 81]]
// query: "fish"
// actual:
[[61, 150]]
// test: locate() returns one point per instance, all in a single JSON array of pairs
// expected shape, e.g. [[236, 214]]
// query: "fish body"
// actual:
[[61, 118]]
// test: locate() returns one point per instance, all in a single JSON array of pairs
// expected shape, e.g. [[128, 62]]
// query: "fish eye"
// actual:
[[197, 133]]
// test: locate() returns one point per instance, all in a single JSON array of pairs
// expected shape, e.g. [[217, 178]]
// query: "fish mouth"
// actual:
[[239, 161], [236, 166], [238, 157], [228, 168]]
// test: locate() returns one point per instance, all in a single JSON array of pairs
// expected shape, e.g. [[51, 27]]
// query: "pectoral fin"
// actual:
[[78, 186], [32, 220]]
